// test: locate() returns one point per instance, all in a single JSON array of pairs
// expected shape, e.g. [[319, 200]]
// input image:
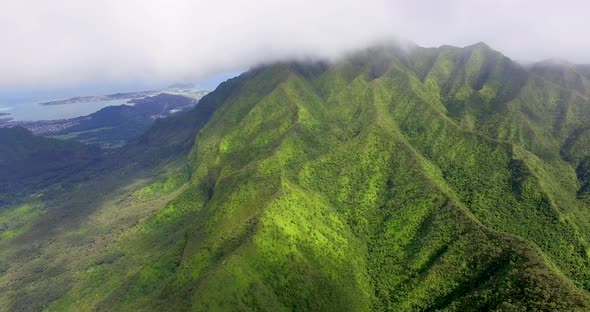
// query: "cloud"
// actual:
[[64, 42]]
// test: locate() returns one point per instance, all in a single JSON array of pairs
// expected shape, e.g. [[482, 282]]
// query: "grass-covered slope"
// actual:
[[405, 180]]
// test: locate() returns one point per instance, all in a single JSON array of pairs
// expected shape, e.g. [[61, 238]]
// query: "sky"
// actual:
[[63, 43]]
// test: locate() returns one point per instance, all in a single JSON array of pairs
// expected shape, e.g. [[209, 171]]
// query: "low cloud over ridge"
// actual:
[[68, 41]]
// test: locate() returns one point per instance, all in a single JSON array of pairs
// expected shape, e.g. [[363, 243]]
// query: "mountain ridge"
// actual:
[[430, 179]]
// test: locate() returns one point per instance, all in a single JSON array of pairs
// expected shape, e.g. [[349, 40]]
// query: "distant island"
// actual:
[[97, 98], [186, 89], [5, 119], [182, 86]]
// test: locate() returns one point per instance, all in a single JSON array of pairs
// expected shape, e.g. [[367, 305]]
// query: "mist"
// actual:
[[65, 42]]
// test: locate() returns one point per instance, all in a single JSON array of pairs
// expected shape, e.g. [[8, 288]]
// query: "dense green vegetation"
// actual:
[[400, 180], [18, 220], [29, 163]]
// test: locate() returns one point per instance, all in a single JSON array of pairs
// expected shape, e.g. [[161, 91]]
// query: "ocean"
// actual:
[[31, 110]]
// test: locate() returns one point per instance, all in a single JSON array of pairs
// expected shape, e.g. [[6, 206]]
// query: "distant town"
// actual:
[[41, 127]]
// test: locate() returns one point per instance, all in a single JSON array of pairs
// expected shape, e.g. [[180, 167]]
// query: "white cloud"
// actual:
[[62, 42]]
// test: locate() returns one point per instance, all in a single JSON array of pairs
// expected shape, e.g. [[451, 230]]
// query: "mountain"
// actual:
[[395, 179]]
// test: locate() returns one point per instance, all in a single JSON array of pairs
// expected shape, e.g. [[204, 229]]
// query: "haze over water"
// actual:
[[31, 110], [23, 104]]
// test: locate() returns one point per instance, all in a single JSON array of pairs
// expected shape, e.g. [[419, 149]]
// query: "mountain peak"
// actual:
[[479, 44]]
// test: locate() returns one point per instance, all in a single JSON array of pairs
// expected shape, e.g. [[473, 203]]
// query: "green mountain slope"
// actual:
[[28, 162], [49, 238], [406, 180]]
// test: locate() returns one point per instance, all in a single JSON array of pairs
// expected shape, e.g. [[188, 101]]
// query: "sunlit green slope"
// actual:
[[396, 179]]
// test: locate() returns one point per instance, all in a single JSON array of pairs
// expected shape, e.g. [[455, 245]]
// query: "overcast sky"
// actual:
[[64, 42]]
